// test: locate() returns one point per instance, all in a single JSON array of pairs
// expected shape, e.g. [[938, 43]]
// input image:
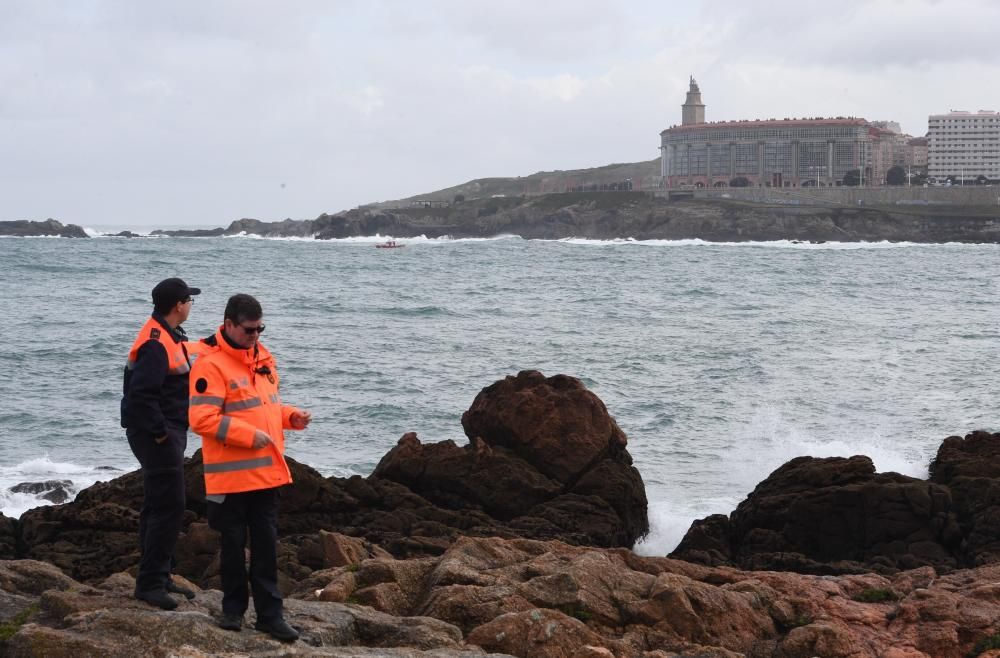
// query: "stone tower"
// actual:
[[693, 110]]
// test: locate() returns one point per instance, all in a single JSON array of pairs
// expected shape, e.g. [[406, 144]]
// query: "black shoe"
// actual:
[[174, 588], [278, 629], [158, 598], [231, 622]]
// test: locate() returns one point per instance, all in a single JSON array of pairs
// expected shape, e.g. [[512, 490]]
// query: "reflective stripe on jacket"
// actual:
[[234, 392]]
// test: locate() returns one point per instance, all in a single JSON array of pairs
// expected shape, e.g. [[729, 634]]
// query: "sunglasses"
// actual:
[[250, 330]]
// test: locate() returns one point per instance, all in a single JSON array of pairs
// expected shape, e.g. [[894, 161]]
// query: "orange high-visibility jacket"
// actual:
[[155, 384], [233, 393], [177, 357]]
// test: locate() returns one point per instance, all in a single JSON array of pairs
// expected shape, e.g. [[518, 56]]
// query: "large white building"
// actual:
[[964, 145], [815, 152]]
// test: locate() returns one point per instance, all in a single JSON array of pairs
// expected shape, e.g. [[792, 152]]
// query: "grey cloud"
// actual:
[[196, 112], [865, 35]]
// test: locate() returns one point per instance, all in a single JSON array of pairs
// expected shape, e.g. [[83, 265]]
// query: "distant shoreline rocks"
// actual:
[[610, 216], [23, 228]]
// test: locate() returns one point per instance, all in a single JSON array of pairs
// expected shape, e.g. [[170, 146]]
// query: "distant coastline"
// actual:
[[613, 215]]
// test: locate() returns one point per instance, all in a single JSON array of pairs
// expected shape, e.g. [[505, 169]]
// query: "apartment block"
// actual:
[[965, 145]]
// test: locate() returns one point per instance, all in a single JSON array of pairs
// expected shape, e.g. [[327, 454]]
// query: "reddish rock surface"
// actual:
[[530, 599]]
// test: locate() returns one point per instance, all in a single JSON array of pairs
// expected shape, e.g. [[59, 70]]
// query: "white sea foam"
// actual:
[[772, 244], [40, 470], [289, 238], [420, 239], [670, 521], [758, 448]]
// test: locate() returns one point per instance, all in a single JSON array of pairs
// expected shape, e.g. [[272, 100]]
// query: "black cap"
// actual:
[[170, 291]]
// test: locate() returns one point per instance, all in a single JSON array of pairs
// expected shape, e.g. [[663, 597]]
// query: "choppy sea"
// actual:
[[719, 361]]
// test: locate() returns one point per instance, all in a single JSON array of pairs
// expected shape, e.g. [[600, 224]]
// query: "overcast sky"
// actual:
[[157, 114]]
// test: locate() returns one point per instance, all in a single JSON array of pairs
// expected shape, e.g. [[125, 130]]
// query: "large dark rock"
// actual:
[[970, 468], [50, 227], [8, 538], [543, 454], [91, 537], [833, 515]]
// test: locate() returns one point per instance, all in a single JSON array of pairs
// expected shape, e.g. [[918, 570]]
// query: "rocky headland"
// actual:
[[607, 216], [518, 543], [638, 215]]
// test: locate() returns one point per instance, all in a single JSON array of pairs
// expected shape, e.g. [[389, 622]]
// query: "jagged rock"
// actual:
[[530, 598], [54, 491], [533, 598], [970, 468], [31, 577], [833, 515], [544, 454], [50, 227], [536, 633], [284, 228], [8, 538], [74, 619], [555, 424], [86, 540]]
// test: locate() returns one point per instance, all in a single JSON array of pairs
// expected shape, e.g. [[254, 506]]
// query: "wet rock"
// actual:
[[8, 538], [544, 455], [54, 491], [833, 515], [970, 467]]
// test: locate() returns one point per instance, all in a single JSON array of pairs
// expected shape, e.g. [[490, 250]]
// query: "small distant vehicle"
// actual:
[[389, 244]]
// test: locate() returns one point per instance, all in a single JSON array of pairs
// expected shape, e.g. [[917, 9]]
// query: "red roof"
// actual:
[[764, 123]]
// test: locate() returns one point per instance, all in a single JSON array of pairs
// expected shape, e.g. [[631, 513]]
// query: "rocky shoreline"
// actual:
[[518, 543], [619, 215]]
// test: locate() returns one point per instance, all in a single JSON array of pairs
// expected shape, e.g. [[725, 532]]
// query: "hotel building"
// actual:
[[772, 152]]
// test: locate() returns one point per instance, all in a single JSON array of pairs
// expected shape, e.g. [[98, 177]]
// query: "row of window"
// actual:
[[805, 134]]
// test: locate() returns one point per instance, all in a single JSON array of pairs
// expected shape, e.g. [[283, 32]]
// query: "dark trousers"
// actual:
[[255, 512], [162, 504]]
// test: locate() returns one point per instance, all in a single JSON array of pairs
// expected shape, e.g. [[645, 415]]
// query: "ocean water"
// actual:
[[719, 361]]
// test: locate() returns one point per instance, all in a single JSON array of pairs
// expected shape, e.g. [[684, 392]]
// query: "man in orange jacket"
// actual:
[[154, 411], [237, 410]]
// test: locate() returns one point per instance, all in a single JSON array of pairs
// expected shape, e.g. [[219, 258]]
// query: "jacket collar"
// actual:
[[177, 333], [240, 354]]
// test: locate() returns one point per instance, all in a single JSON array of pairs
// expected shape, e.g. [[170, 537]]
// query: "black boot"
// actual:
[[231, 622], [278, 629], [158, 598]]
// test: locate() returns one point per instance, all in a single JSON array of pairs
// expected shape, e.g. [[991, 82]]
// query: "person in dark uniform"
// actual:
[[154, 412]]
